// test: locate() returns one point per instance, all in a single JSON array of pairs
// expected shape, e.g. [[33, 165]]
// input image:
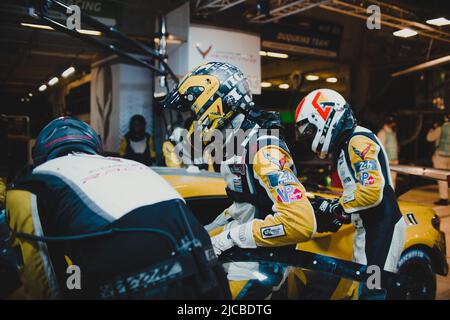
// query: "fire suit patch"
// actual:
[[237, 168], [361, 154], [273, 231], [237, 184], [287, 194], [348, 198], [278, 162], [366, 179], [366, 165], [281, 178]]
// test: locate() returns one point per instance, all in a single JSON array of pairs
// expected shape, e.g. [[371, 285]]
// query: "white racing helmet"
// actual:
[[321, 117]]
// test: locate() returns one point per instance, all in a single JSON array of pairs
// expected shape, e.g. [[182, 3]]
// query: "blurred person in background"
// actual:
[[440, 135], [388, 138], [137, 144]]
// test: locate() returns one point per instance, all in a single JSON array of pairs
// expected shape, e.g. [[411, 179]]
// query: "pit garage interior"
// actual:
[[303, 45]]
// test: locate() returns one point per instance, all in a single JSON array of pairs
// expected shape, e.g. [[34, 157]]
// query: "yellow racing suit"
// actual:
[[2, 191], [171, 159], [369, 198], [270, 207]]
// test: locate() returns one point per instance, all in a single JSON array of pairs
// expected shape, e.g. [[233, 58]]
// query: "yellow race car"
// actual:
[[424, 253]]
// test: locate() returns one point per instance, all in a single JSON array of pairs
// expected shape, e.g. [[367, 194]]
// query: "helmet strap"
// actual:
[[324, 132]]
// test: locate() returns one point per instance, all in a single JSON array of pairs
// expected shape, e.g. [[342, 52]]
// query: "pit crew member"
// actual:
[[325, 119], [270, 206], [104, 216]]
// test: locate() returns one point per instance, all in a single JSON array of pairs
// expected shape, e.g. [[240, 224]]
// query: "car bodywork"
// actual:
[[205, 193]]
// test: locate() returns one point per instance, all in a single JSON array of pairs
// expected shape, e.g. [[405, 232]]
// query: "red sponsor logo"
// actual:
[[366, 179], [323, 112], [287, 194], [203, 53], [299, 108], [362, 154]]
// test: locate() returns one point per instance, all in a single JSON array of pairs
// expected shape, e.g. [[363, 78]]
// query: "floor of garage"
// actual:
[[427, 195]]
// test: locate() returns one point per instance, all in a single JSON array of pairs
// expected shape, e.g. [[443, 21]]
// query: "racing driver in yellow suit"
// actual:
[[270, 207], [325, 119]]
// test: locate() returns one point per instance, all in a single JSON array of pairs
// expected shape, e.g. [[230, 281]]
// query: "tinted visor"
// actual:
[[175, 101], [306, 130]]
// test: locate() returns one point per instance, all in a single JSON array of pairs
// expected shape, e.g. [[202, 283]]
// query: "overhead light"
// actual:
[[439, 22], [36, 26], [68, 72], [30, 94], [169, 40], [331, 80], [423, 66], [45, 27], [283, 86], [265, 84], [312, 77], [405, 33], [43, 88], [277, 55], [274, 54], [89, 32], [22, 100], [53, 81]]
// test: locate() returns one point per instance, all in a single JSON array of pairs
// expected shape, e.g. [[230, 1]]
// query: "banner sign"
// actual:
[[306, 37], [241, 49]]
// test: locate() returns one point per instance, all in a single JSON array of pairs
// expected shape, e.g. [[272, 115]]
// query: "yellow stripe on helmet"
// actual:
[[210, 85]]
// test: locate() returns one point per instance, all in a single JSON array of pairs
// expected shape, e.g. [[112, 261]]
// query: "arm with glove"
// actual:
[[292, 220], [330, 215]]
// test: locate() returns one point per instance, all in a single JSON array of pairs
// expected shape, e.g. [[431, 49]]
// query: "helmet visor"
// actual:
[[306, 130], [176, 101]]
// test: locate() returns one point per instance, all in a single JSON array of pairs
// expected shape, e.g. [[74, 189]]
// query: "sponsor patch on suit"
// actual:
[[366, 179], [281, 178], [273, 232], [237, 183], [366, 165], [287, 194], [362, 154]]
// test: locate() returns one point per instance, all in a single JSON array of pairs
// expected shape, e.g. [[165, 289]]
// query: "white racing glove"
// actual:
[[221, 220], [241, 212], [234, 234]]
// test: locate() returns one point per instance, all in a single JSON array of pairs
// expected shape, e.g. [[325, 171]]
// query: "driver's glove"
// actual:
[[327, 213], [234, 234]]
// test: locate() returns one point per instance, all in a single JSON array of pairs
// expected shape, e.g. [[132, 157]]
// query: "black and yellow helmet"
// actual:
[[215, 92]]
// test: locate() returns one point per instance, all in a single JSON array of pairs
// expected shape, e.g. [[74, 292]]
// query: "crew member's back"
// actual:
[[123, 225]]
